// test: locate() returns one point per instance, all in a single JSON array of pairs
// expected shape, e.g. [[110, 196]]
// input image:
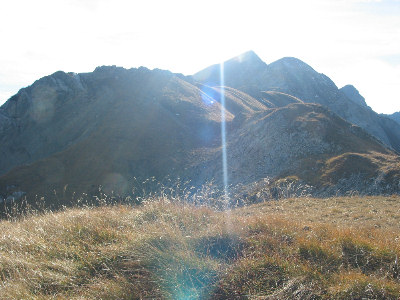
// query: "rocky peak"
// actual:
[[248, 58], [293, 76], [292, 63], [43, 92], [239, 69], [352, 93]]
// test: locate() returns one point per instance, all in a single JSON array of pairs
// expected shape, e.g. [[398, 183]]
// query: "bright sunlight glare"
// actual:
[[223, 138], [353, 42]]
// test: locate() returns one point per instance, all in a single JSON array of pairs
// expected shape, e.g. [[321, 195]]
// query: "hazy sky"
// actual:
[[351, 41]]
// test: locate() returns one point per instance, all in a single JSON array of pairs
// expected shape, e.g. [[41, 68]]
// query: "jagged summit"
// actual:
[[292, 62], [249, 57], [352, 93], [237, 70]]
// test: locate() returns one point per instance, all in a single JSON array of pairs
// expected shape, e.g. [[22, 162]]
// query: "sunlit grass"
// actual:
[[163, 250]]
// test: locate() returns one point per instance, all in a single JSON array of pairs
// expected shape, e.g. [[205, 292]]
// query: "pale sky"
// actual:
[[351, 41]]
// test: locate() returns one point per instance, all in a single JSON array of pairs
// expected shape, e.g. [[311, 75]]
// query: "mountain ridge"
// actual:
[[296, 78], [73, 133]]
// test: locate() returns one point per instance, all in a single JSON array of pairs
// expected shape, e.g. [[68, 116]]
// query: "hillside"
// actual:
[[308, 143], [304, 248]]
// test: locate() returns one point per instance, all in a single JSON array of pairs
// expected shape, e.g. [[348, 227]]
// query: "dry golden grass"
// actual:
[[365, 212], [337, 248]]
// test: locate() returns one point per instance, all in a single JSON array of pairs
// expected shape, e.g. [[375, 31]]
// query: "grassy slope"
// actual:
[[337, 248]]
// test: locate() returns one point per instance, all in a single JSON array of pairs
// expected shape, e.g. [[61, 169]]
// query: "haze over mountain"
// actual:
[[71, 133]]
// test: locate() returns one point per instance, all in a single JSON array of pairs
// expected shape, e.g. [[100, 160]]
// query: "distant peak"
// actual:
[[243, 64], [350, 87], [247, 57], [292, 62], [352, 93], [291, 59], [250, 55]]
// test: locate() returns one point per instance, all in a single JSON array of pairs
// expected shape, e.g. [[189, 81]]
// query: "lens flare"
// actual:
[[207, 96], [223, 138]]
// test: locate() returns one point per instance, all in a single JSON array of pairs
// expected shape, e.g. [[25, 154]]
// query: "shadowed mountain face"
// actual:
[[71, 133], [119, 124]]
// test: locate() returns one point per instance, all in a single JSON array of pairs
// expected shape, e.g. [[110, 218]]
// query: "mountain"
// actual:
[[119, 122], [69, 134], [293, 77]]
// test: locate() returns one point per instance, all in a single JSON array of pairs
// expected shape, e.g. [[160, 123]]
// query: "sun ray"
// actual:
[[223, 138]]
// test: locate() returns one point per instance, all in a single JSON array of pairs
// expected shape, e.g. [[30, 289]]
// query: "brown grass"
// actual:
[[345, 212], [337, 248]]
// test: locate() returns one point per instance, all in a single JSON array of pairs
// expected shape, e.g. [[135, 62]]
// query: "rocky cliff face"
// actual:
[[71, 133]]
